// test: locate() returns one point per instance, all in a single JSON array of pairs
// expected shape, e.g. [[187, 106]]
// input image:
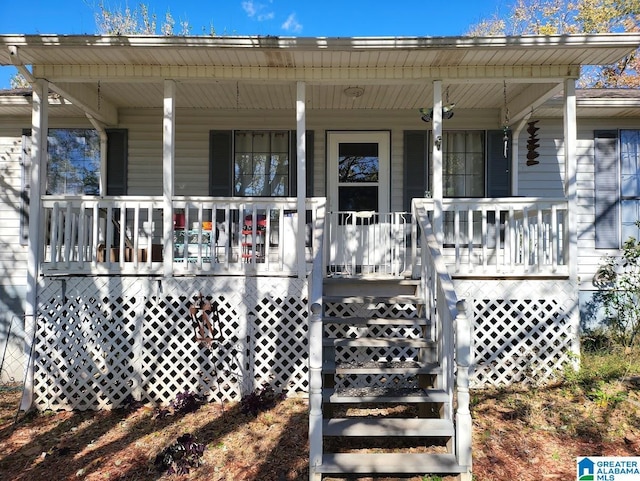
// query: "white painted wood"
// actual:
[[315, 345], [301, 126], [436, 159], [168, 169], [570, 142], [39, 129]]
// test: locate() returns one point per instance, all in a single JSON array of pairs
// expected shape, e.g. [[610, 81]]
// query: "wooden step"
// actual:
[[370, 286], [384, 395], [389, 463], [421, 427], [393, 367], [375, 321], [399, 299], [376, 342]]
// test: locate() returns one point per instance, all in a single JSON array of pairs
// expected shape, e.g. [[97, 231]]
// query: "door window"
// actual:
[[359, 171]]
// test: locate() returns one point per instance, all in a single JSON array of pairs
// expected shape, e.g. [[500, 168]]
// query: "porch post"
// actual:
[[301, 125], [570, 171], [168, 162], [99, 126], [570, 179], [436, 155], [515, 151], [39, 130]]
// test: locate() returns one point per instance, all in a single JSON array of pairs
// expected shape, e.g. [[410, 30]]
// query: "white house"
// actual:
[[354, 211]]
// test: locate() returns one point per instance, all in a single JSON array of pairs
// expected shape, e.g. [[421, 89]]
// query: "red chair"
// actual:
[[248, 238]]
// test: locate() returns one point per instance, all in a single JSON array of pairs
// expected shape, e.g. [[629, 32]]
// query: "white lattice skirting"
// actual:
[[524, 330], [101, 340]]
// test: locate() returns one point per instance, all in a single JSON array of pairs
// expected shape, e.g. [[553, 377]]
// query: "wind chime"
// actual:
[[205, 319], [532, 143], [505, 128]]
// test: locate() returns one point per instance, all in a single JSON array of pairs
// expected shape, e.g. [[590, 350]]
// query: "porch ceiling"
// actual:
[[259, 73], [227, 95]]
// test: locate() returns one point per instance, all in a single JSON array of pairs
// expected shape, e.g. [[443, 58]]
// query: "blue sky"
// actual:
[[332, 18]]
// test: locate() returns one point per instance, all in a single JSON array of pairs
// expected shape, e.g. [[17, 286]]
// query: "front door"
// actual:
[[358, 170], [358, 194]]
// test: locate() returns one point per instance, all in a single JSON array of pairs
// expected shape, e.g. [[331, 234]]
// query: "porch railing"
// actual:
[[479, 237], [451, 329], [368, 243], [513, 236], [84, 235]]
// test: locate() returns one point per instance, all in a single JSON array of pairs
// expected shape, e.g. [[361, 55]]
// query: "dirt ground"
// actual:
[[526, 434]]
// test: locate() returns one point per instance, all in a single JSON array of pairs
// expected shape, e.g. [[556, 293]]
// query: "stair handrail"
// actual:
[[451, 328], [315, 339]]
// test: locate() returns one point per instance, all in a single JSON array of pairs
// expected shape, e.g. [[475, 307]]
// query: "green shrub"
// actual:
[[619, 281]]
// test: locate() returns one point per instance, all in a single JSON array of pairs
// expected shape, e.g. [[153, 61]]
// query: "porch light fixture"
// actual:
[[447, 113], [354, 92], [447, 110]]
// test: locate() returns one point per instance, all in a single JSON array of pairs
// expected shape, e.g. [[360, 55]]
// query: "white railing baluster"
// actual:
[[470, 239], [96, 236], [484, 236], [456, 235], [513, 241], [540, 254], [554, 238], [82, 241], [122, 228], [53, 247], [497, 231], [67, 219]]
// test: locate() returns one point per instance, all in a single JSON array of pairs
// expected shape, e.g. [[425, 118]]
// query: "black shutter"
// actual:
[[220, 163], [498, 167], [293, 150], [117, 161], [415, 166], [607, 189]]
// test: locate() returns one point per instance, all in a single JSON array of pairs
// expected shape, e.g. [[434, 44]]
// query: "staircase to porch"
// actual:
[[386, 397]]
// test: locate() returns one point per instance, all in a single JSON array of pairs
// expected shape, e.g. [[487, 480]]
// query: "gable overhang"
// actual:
[[115, 72]]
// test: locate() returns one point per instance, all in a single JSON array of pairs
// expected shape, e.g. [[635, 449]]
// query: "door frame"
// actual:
[[383, 139]]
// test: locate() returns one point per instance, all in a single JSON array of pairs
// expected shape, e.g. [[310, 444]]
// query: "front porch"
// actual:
[[118, 325]]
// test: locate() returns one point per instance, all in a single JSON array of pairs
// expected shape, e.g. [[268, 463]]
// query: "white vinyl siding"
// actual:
[[13, 255], [591, 258], [545, 179]]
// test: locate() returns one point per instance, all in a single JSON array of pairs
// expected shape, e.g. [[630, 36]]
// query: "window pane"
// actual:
[[74, 161], [630, 163], [261, 142], [463, 164], [358, 198], [261, 163], [358, 162], [474, 142], [630, 212], [243, 142], [279, 142], [454, 164]]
